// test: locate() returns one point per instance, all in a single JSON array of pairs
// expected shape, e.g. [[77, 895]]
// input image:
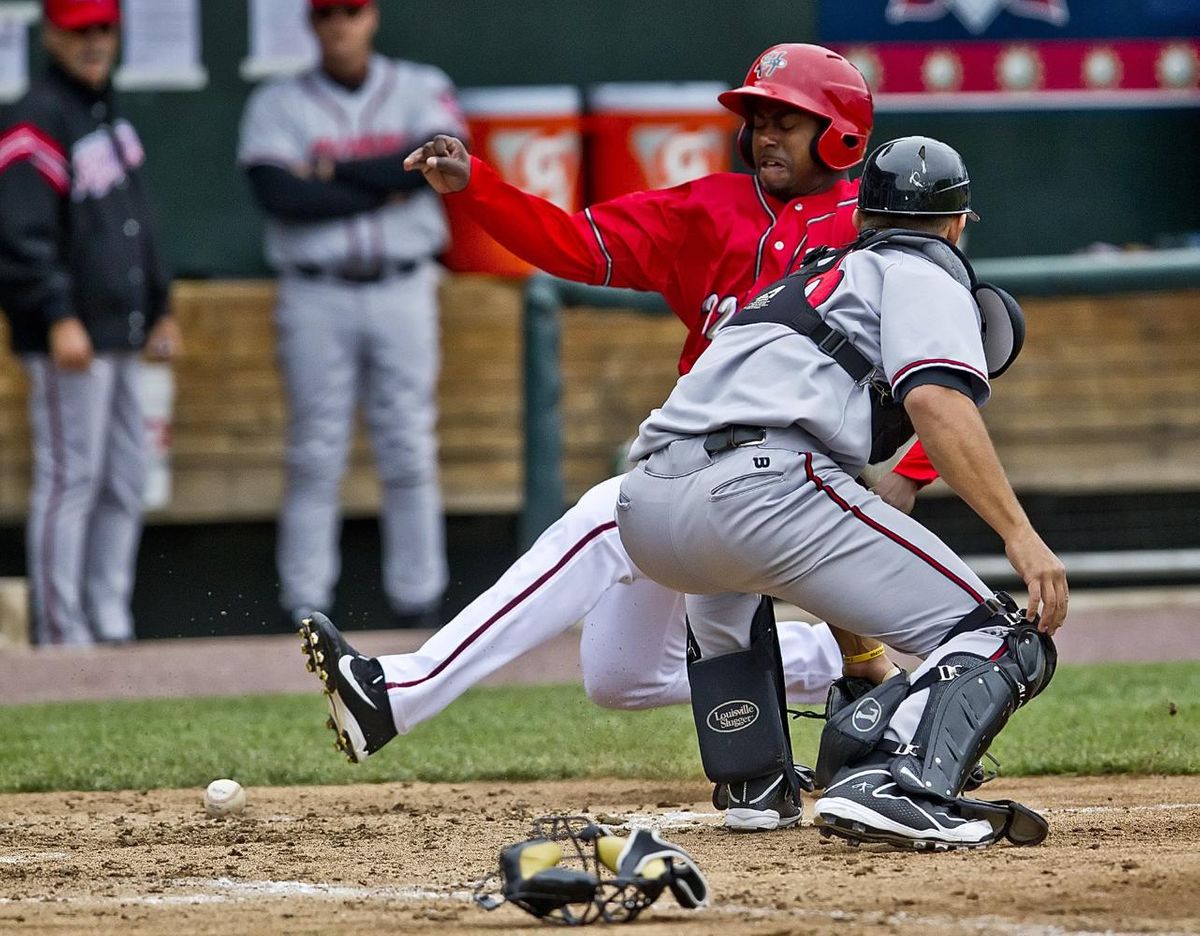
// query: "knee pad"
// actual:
[[739, 708], [856, 715], [970, 700]]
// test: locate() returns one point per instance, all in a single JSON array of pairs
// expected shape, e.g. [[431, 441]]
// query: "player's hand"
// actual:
[[70, 346], [445, 162], [1044, 575], [897, 491], [165, 341]]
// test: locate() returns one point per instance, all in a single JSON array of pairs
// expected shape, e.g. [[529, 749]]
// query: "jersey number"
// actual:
[[716, 312]]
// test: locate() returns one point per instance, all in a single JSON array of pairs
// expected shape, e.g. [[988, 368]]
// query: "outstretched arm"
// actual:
[[533, 228], [959, 446], [631, 240]]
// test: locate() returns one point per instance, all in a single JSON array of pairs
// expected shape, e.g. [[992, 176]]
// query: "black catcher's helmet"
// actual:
[[916, 176]]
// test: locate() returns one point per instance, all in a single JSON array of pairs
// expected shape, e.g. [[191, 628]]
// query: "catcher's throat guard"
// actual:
[[739, 707], [574, 872]]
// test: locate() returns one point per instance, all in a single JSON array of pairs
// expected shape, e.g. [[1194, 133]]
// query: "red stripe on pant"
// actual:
[[483, 628], [880, 528], [53, 500]]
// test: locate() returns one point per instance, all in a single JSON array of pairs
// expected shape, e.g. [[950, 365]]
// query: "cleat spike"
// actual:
[[308, 665]]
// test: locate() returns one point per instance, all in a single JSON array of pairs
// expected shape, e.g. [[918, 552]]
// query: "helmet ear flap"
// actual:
[[837, 151]]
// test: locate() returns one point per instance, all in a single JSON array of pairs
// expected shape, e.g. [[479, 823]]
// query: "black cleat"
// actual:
[[360, 714], [866, 805]]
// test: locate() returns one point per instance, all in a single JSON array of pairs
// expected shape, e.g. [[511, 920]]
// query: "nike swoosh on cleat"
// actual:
[[348, 675]]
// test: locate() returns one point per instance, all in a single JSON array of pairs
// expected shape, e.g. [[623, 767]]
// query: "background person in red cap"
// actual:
[[352, 235], [85, 291]]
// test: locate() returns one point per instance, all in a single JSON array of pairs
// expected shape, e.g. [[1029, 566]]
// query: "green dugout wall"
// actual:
[[1047, 182]]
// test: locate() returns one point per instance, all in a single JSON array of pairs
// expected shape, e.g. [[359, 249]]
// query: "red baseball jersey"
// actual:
[[707, 246]]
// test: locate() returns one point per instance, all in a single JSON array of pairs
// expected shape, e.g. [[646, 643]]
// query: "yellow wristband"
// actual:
[[864, 657]]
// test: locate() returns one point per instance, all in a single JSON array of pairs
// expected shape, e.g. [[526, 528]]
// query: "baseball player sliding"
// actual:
[[706, 246], [745, 487]]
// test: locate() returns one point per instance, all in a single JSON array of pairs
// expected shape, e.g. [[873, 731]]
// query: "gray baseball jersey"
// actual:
[[292, 121], [784, 516], [902, 311]]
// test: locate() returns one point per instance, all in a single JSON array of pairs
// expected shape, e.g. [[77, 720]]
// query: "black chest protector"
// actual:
[[787, 303]]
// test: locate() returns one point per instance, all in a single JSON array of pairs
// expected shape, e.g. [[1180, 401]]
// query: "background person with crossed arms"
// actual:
[[352, 235]]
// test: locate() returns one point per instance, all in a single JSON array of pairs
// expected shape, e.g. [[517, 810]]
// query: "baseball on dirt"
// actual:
[[224, 798]]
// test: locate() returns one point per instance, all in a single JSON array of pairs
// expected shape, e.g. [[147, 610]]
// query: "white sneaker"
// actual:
[[761, 805]]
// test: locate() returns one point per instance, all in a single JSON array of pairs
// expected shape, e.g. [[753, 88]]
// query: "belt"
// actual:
[[731, 437], [365, 272]]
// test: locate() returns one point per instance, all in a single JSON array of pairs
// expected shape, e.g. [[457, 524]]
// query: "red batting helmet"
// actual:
[[817, 80], [81, 14]]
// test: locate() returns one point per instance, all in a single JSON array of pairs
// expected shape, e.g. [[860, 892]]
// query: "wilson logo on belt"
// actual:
[[733, 716]]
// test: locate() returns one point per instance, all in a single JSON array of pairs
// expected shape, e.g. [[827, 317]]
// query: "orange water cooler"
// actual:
[[532, 137], [654, 135]]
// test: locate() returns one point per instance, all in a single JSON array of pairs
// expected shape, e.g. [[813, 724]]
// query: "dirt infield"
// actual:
[[1122, 857]]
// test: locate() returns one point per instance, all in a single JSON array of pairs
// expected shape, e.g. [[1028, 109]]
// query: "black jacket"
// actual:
[[76, 228]]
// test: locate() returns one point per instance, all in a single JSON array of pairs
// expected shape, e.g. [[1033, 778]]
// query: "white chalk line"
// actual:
[[32, 857], [1151, 807], [671, 819], [227, 890]]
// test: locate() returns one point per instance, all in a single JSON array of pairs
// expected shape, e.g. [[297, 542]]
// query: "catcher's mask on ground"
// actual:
[[575, 872]]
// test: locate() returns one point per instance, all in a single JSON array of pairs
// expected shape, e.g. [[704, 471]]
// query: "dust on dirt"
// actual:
[[1123, 856]]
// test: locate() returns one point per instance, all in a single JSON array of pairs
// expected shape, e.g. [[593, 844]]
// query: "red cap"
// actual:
[[80, 14], [318, 4]]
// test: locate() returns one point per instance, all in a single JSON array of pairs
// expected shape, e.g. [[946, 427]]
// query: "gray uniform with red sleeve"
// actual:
[[777, 511], [357, 318]]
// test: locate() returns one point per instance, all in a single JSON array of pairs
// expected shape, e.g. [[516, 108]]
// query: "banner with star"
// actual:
[[1020, 54]]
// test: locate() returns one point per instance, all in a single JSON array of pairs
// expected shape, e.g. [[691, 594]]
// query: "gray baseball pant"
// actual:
[[782, 519], [90, 460], [376, 344]]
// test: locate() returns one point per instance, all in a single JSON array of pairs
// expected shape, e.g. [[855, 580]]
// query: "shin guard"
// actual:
[[970, 699], [739, 707]]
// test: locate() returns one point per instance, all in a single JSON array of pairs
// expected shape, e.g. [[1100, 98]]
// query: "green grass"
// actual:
[[1113, 718]]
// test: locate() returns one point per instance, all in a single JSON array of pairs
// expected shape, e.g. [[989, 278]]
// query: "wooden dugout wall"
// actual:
[[1103, 399]]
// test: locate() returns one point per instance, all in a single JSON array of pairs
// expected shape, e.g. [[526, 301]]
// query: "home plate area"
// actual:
[[1121, 858]]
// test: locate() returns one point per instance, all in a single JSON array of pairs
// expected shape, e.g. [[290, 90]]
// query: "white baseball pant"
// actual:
[[633, 648]]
